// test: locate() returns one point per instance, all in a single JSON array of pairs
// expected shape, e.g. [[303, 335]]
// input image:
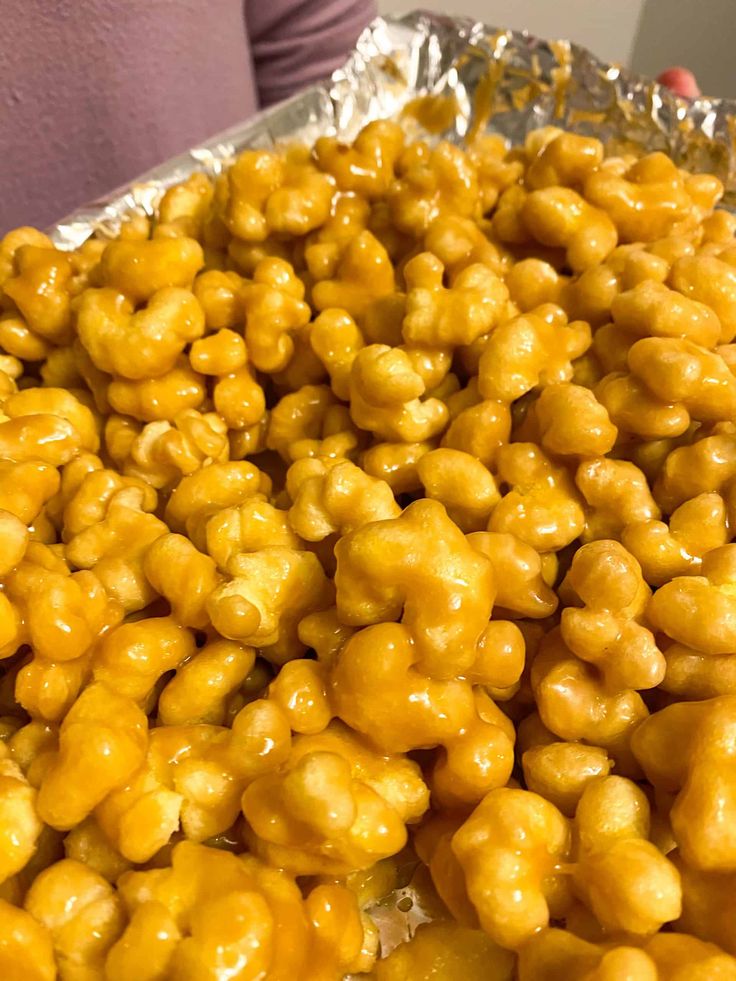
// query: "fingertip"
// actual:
[[681, 81]]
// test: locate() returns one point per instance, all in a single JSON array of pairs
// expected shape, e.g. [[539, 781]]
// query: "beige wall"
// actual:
[[607, 27], [700, 35]]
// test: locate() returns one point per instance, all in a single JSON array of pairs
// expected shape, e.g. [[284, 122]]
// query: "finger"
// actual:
[[681, 81]]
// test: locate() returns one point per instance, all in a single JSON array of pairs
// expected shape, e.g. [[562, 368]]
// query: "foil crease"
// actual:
[[471, 78]]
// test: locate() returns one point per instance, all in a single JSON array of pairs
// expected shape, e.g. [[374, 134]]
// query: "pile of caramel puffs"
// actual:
[[366, 521]]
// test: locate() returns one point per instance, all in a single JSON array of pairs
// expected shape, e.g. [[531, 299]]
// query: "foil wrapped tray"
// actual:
[[448, 78]]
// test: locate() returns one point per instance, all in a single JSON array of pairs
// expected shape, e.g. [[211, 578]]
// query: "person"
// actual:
[[95, 92]]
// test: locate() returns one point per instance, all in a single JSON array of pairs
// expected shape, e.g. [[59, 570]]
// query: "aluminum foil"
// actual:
[[447, 78]]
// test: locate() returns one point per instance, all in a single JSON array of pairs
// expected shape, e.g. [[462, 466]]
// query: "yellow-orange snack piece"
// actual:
[[627, 883], [696, 610], [141, 268], [441, 951], [82, 913], [143, 344], [336, 499], [666, 551], [26, 949], [419, 563], [386, 397], [430, 183], [646, 202], [571, 422], [543, 508], [686, 749], [617, 495], [366, 167], [163, 397], [607, 631], [208, 906], [269, 591], [274, 309], [338, 806], [555, 953], [561, 218], [575, 703], [509, 849], [436, 316], [102, 741], [537, 348]]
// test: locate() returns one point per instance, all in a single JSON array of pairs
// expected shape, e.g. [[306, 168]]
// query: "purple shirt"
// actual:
[[94, 92]]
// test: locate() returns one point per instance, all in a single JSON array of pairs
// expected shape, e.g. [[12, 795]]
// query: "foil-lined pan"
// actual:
[[450, 78]]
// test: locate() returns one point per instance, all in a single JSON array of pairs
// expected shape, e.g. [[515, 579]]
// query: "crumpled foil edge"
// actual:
[[491, 80]]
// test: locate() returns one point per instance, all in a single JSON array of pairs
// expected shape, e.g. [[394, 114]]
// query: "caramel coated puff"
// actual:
[[269, 592], [650, 309], [365, 167], [270, 192], [163, 397], [336, 339], [459, 481], [607, 631], [698, 610], [648, 201], [567, 159], [26, 950], [570, 421], [535, 349], [711, 281], [521, 588], [419, 567], [687, 748], [542, 507], [574, 701], [160, 453], [462, 242], [679, 371], [617, 494], [704, 466], [220, 485], [139, 269], [624, 879], [192, 778], [363, 275], [274, 309], [249, 527], [184, 208], [377, 689], [510, 849], [559, 217], [82, 914], [555, 953], [668, 550], [102, 741], [324, 248], [437, 317], [207, 906], [40, 288], [114, 545], [432, 182], [386, 397], [336, 806], [337, 499]]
